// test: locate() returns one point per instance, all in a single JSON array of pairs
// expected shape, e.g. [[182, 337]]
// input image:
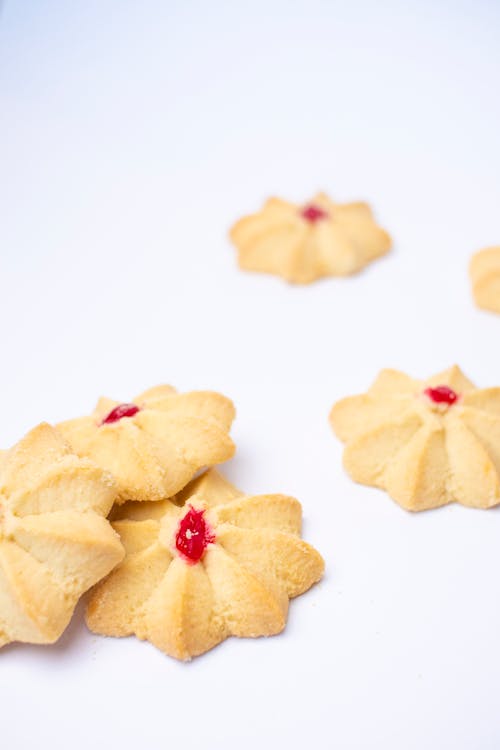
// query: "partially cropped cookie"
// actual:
[[211, 564], [155, 444], [303, 243], [428, 443], [485, 277], [55, 541]]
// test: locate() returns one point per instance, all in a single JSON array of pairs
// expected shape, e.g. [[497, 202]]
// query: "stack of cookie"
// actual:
[[125, 499]]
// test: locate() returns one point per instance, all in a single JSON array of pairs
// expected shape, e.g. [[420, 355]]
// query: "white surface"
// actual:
[[132, 135]]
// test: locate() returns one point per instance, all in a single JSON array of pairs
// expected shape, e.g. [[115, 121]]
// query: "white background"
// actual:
[[132, 135]]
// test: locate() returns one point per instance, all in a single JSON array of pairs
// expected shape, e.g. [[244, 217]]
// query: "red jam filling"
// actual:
[[313, 213], [120, 411], [441, 394], [193, 535]]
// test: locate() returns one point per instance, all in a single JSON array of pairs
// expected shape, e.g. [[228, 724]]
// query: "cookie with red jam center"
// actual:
[[209, 564], [156, 443], [427, 443], [303, 243]]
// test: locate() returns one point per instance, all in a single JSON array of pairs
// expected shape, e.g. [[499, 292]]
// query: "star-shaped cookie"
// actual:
[[428, 443], [55, 541], [156, 443], [485, 276], [210, 564], [303, 243]]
